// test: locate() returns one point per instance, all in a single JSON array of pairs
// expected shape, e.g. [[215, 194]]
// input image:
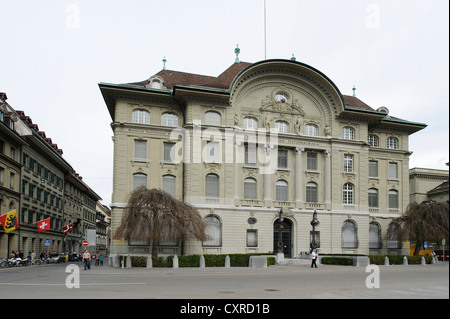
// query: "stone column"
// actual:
[[299, 187], [268, 187], [327, 186]]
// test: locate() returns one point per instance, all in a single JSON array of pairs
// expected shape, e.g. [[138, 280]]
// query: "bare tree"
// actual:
[[427, 221], [155, 215]]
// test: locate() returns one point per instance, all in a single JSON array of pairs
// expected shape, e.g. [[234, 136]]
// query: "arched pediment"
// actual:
[[286, 87]]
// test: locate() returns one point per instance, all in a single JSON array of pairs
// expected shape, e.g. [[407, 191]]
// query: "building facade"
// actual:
[[260, 140], [428, 184], [11, 144], [37, 182]]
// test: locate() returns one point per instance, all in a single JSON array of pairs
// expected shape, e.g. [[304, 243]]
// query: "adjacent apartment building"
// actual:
[[37, 182], [258, 150]]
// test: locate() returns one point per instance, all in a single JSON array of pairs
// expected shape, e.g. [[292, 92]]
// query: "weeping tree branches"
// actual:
[[155, 215], [428, 221]]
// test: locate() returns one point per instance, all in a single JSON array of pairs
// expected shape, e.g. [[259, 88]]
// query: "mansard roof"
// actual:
[[223, 83]]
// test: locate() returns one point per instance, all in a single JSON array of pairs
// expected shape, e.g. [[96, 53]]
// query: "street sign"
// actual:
[[425, 245], [85, 243], [47, 242]]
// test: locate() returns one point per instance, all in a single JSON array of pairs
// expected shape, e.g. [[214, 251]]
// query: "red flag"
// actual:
[[43, 225], [67, 229]]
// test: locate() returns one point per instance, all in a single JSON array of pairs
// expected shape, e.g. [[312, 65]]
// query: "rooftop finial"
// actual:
[[164, 63], [237, 51], [354, 91], [293, 57]]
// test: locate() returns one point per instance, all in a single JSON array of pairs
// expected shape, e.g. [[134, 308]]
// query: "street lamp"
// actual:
[[314, 223], [280, 240], [280, 254]]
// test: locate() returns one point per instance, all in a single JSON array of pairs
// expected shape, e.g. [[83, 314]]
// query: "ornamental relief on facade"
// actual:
[[281, 100]]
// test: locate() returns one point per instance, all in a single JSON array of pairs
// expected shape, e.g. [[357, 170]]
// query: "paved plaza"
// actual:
[[276, 282]]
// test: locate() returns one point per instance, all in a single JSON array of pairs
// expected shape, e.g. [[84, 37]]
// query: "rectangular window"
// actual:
[[169, 185], [252, 238], [282, 159], [373, 168], [169, 152], [140, 149], [311, 161], [393, 171], [12, 177], [250, 154], [348, 163]]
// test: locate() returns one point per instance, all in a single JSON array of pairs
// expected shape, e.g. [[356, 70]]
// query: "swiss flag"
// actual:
[[43, 225]]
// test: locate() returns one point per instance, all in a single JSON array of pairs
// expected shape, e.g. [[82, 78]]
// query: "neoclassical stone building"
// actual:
[[261, 138]]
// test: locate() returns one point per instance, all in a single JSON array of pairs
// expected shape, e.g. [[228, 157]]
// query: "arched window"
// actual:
[[250, 189], [141, 117], [213, 118], [392, 242], [250, 123], [374, 236], [169, 185], [392, 143], [349, 235], [282, 126], [213, 229], [281, 191], [347, 193], [311, 192], [393, 198], [169, 119], [156, 84], [373, 140], [139, 180], [348, 133], [212, 185], [373, 197], [311, 130]]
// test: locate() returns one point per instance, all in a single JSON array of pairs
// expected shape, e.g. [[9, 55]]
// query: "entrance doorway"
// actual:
[[283, 230]]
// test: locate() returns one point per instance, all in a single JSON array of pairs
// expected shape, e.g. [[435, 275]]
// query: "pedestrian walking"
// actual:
[[314, 256], [87, 260]]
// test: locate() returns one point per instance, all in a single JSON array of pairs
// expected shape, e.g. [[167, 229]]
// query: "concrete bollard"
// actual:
[[175, 261], [202, 261], [422, 261], [128, 262], [227, 261], [149, 262], [405, 261], [386, 261]]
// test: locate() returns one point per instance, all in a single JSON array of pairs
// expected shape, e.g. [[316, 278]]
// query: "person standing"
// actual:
[[314, 256], [87, 259]]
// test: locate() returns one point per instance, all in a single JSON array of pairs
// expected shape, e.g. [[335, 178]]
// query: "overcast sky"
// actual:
[[54, 53]]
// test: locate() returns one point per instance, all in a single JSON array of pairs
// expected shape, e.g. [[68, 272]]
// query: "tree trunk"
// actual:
[[418, 248], [154, 252]]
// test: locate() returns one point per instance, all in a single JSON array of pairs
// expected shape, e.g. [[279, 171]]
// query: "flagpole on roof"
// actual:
[[265, 32]]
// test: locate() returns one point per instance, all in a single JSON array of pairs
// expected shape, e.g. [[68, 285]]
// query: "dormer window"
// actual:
[[156, 84]]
